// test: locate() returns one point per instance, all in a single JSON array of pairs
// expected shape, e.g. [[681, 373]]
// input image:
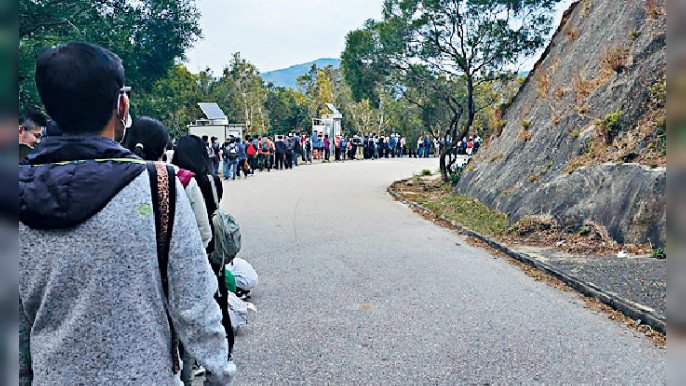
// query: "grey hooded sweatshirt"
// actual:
[[92, 308]]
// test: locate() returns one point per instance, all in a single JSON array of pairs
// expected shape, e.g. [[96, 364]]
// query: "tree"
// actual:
[[324, 92], [240, 92], [149, 35], [173, 99], [362, 68], [287, 110], [447, 44]]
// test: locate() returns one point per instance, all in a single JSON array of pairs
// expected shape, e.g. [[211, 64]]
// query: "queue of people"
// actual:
[[244, 156], [127, 265]]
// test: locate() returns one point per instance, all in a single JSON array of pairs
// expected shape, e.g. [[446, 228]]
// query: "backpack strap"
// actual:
[[214, 191], [163, 190]]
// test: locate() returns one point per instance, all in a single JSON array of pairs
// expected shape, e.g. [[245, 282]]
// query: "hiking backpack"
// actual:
[[227, 233], [232, 152], [251, 150]]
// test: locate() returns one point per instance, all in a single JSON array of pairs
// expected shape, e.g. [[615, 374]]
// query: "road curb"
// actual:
[[631, 309]]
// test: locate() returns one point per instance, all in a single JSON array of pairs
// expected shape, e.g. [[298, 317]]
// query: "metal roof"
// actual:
[[212, 111]]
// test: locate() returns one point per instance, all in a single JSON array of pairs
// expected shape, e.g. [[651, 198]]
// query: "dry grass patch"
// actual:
[[495, 158], [653, 9], [559, 93], [616, 59], [543, 84], [582, 87], [573, 165], [587, 7], [524, 135]]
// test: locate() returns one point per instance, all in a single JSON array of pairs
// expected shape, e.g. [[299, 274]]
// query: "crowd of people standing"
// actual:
[[237, 157], [138, 285], [127, 265]]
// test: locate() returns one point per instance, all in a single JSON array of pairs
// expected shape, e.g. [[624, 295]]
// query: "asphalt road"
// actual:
[[357, 289]]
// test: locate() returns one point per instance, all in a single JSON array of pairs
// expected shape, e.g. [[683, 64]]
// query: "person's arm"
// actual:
[[192, 285], [200, 210], [25, 369]]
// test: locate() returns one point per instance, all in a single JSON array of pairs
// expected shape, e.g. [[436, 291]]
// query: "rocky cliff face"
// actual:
[[583, 139]]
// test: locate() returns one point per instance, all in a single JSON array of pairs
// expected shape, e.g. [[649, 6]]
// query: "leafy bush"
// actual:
[[426, 172], [455, 179], [499, 125], [612, 125], [658, 253], [455, 175]]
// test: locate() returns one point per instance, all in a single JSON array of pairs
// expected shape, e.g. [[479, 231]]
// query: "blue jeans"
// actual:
[[230, 168]]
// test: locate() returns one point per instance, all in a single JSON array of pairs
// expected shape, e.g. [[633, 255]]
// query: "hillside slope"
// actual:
[[584, 138], [287, 77]]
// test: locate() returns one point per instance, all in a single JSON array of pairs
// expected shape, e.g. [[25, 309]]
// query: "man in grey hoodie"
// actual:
[[91, 303]]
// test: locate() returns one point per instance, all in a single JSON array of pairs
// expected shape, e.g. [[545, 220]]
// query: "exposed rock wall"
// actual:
[[606, 56]]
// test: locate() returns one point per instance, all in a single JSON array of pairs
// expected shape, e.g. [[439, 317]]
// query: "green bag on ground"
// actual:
[[230, 280]]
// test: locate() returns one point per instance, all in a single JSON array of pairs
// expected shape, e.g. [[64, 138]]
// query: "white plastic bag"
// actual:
[[245, 274], [239, 311]]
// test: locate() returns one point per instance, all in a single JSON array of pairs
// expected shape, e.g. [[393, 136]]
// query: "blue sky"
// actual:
[[274, 34]]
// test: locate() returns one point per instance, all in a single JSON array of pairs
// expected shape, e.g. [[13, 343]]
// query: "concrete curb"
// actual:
[[633, 310]]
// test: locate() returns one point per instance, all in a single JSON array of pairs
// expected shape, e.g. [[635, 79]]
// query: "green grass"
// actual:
[[470, 213], [658, 253]]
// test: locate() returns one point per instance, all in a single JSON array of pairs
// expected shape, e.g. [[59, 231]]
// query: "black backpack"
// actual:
[[231, 152]]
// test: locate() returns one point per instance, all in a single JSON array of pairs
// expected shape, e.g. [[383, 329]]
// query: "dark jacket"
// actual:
[[281, 147], [55, 196]]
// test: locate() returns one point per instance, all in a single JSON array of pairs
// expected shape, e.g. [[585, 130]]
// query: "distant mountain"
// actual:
[[287, 77]]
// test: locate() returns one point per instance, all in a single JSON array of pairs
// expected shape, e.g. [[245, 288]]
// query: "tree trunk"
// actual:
[[447, 150]]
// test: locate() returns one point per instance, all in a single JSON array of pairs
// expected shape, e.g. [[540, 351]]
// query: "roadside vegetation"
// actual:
[[544, 231]]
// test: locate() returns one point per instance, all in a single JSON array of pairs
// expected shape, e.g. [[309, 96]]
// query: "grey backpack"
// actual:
[[227, 234]]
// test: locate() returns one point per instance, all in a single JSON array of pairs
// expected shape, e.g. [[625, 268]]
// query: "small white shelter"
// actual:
[[215, 124], [330, 124]]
